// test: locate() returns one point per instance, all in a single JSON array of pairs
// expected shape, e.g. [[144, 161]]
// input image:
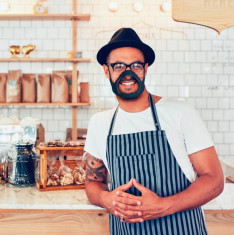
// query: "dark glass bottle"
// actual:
[[21, 165]]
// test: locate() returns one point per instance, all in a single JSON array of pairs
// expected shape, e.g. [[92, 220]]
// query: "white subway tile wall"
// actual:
[[193, 63]]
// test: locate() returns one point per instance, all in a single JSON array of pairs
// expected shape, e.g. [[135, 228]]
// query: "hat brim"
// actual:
[[105, 50]]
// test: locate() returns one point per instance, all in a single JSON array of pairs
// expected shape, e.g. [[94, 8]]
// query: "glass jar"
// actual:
[[3, 164], [21, 165]]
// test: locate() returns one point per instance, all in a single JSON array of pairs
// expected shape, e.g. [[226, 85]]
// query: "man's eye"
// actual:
[[119, 66], [137, 66]]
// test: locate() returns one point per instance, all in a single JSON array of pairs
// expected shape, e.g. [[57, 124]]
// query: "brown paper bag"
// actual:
[[59, 88], [68, 75], [84, 92], [69, 79], [43, 88], [13, 86], [28, 88], [3, 78]]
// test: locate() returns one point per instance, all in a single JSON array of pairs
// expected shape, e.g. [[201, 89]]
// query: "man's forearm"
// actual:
[[197, 194], [96, 180], [208, 185], [95, 192]]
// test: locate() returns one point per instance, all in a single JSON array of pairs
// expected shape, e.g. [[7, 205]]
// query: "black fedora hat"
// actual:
[[125, 37]]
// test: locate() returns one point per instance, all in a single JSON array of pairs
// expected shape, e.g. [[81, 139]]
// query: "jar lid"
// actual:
[[23, 143]]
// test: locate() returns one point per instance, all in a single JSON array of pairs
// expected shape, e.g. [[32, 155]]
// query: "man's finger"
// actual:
[[127, 202], [140, 187], [123, 194], [129, 213], [128, 207], [135, 220], [126, 186]]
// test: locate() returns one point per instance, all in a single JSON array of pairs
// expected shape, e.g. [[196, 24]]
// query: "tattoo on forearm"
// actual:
[[95, 170]]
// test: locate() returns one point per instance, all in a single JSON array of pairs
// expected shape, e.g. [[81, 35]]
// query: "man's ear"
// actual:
[[106, 71]]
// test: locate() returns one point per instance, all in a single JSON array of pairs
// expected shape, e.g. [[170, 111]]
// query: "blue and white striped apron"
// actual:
[[147, 157]]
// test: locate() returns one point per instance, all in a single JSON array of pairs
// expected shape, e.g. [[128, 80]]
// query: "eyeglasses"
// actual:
[[136, 67]]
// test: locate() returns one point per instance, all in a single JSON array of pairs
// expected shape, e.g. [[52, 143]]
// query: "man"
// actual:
[[160, 158]]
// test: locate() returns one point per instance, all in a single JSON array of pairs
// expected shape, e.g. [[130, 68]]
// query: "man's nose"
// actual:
[[128, 76], [128, 67]]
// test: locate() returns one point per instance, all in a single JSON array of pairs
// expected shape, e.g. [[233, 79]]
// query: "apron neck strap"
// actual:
[[113, 121], [153, 111]]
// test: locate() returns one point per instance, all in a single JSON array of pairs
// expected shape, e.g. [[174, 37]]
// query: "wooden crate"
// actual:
[[60, 151], [81, 133], [40, 134]]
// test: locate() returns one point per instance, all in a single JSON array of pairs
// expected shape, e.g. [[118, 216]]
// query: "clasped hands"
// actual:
[[134, 209]]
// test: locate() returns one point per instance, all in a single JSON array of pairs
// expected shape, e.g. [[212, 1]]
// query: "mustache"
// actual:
[[128, 78]]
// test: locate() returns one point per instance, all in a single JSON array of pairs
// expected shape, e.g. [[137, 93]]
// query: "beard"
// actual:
[[121, 80]]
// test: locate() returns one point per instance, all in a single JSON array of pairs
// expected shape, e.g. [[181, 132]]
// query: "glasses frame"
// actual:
[[127, 65]]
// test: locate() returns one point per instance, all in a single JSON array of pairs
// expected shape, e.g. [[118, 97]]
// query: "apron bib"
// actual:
[[147, 157]]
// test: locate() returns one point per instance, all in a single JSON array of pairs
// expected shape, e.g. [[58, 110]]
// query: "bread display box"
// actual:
[[61, 167], [10, 134]]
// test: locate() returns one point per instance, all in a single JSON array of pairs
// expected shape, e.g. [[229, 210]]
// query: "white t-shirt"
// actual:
[[185, 131]]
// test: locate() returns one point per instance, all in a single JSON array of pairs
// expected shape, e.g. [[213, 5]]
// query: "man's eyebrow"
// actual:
[[121, 62]]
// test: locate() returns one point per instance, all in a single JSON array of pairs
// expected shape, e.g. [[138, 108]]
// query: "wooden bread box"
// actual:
[[44, 152]]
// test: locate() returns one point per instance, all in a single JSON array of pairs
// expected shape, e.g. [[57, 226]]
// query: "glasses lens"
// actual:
[[119, 67], [137, 67]]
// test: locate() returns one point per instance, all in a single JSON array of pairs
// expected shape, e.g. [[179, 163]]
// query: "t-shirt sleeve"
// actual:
[[91, 143], [196, 135]]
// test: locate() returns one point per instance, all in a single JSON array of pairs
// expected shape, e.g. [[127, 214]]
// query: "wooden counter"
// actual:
[[29, 211], [46, 222], [220, 222]]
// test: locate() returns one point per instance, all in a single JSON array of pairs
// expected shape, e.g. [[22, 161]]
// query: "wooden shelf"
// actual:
[[75, 60], [83, 17], [52, 188], [81, 147], [73, 17], [45, 104]]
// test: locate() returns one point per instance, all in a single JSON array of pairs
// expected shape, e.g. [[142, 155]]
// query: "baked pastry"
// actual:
[[79, 175], [66, 178], [53, 180]]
